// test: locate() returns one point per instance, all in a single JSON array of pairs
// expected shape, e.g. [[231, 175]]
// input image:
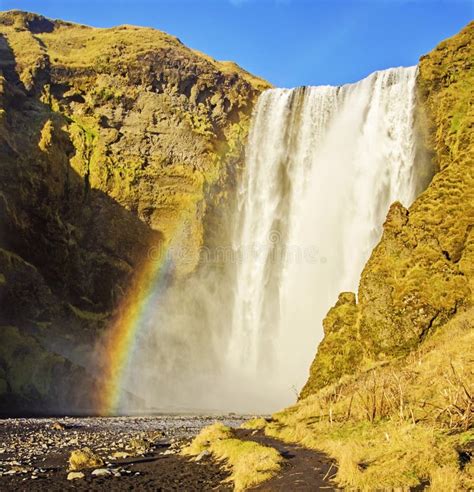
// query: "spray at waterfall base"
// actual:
[[323, 165]]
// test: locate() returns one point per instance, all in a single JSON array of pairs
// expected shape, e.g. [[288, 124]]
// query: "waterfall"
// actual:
[[323, 166]]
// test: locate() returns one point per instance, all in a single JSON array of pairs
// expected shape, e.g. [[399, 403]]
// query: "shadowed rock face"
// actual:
[[112, 141], [422, 271]]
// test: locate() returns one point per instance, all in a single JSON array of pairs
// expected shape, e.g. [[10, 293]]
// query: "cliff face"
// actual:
[[422, 272], [112, 141]]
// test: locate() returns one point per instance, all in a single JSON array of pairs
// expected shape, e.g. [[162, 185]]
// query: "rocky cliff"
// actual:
[[422, 272], [112, 141]]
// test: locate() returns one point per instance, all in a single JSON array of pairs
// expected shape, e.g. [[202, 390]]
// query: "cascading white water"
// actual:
[[323, 166]]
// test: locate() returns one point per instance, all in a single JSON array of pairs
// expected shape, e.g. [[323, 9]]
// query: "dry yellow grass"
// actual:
[[255, 424], [399, 424], [249, 463], [208, 435]]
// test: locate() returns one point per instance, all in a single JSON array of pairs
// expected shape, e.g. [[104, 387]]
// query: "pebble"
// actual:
[[120, 455], [75, 475], [101, 472], [27, 444]]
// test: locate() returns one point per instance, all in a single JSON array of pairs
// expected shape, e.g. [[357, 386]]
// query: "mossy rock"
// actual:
[[421, 274], [29, 369], [341, 350], [113, 143]]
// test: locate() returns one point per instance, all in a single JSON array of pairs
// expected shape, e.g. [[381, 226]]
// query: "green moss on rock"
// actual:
[[341, 350], [421, 273], [112, 141], [29, 368]]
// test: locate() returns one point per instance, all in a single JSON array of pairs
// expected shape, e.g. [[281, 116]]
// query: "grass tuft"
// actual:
[[249, 463], [258, 423], [206, 437]]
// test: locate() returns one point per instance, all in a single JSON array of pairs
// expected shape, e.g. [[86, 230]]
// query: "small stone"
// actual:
[[75, 475], [120, 455], [101, 472], [20, 469], [138, 446]]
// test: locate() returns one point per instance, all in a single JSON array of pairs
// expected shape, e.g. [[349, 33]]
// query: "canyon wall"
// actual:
[[112, 142]]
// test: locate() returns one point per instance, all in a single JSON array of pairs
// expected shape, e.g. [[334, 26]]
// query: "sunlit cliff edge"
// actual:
[[113, 142], [390, 391]]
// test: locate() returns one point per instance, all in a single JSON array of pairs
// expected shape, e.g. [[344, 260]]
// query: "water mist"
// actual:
[[323, 165]]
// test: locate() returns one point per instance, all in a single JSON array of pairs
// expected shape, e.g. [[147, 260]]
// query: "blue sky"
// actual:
[[288, 42]]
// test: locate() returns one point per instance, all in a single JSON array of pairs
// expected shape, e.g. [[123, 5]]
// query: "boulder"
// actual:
[[81, 459]]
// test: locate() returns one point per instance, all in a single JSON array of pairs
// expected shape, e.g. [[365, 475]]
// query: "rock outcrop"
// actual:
[[112, 141], [422, 271]]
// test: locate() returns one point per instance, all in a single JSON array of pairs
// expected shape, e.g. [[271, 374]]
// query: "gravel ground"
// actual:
[[34, 453]]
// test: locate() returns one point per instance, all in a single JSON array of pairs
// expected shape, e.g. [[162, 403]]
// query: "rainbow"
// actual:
[[117, 348]]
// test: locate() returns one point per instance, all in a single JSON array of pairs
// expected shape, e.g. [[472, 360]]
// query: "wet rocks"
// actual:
[[36, 451]]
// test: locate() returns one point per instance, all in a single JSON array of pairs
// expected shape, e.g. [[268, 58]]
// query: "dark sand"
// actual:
[[303, 469]]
